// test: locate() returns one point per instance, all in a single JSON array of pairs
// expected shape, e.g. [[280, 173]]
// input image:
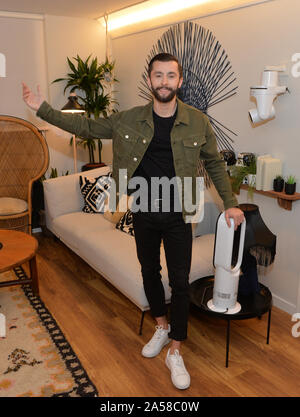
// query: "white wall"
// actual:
[[266, 34], [36, 52], [22, 43], [67, 37]]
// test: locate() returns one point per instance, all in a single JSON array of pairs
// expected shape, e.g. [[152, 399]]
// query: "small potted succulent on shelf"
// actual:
[[290, 185], [278, 183]]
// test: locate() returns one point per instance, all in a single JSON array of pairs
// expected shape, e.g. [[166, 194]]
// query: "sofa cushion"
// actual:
[[62, 194], [74, 228], [94, 192], [115, 216], [125, 224]]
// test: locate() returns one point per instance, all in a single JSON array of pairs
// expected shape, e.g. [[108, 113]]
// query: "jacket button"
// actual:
[[126, 136], [195, 143], [135, 159], [144, 141]]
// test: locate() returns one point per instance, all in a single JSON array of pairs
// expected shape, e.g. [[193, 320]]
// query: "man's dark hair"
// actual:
[[164, 57]]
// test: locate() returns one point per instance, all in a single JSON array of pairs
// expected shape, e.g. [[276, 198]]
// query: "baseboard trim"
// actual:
[[284, 305]]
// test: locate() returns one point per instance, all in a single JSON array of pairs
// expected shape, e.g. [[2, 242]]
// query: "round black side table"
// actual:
[[254, 305]]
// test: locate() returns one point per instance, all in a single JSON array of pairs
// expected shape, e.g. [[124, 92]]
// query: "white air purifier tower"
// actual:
[[226, 277]]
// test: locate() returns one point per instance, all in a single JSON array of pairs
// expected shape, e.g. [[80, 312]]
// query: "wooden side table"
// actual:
[[18, 248]]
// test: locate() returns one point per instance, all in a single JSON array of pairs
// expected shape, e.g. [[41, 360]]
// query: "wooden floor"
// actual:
[[102, 327]]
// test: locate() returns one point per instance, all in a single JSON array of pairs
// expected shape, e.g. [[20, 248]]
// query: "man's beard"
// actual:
[[164, 99]]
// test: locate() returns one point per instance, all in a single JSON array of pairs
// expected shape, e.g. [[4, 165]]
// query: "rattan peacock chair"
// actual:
[[24, 158]]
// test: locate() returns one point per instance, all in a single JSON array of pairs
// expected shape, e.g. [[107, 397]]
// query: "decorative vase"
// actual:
[[290, 188], [278, 185]]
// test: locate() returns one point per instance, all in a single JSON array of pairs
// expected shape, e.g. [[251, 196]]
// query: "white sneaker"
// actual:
[[179, 375], [158, 341]]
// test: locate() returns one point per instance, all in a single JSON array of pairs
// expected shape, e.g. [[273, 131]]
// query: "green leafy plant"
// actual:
[[53, 174], [291, 179], [279, 177], [238, 173], [91, 79]]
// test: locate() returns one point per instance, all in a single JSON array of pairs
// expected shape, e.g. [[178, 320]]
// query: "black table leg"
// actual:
[[269, 326], [227, 342]]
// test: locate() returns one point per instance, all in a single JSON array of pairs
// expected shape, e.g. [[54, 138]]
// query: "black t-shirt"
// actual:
[[158, 159]]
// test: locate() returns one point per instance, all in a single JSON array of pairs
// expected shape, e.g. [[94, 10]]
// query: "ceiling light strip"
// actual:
[[149, 10]]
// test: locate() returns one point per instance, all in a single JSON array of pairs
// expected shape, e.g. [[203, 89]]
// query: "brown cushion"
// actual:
[[114, 217], [9, 206]]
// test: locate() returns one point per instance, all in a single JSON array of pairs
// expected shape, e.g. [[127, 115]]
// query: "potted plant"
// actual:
[[240, 173], [91, 79], [278, 183], [290, 185]]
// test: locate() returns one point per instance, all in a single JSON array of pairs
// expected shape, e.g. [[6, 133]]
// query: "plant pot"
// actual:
[[278, 185], [290, 188], [93, 165]]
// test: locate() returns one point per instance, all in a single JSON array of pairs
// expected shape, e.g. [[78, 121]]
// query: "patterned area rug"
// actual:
[[36, 360]]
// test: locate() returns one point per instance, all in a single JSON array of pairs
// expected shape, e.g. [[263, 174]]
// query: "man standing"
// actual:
[[162, 139]]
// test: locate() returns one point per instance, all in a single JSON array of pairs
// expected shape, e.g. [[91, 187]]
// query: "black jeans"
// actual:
[[150, 229]]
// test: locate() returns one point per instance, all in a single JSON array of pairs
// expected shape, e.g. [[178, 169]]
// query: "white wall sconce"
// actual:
[[266, 93]]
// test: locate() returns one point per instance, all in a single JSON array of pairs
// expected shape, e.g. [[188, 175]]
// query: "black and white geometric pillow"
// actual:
[[94, 192], [125, 224]]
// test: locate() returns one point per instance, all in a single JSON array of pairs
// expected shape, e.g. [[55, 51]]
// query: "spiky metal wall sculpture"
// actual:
[[208, 78]]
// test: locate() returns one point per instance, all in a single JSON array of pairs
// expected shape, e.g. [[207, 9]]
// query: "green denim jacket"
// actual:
[[132, 130]]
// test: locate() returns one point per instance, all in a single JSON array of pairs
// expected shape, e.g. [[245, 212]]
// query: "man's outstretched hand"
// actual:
[[32, 100]]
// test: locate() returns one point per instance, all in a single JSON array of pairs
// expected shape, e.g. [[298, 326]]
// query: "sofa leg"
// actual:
[[141, 323]]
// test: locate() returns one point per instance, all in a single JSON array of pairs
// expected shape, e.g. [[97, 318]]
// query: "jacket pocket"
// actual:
[[192, 147], [194, 142], [127, 134], [126, 148], [125, 140]]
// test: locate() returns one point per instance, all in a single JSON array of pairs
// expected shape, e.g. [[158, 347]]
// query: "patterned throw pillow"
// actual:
[[125, 223], [94, 192]]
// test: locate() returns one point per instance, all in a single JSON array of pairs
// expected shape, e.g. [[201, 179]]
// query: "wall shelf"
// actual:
[[284, 200]]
